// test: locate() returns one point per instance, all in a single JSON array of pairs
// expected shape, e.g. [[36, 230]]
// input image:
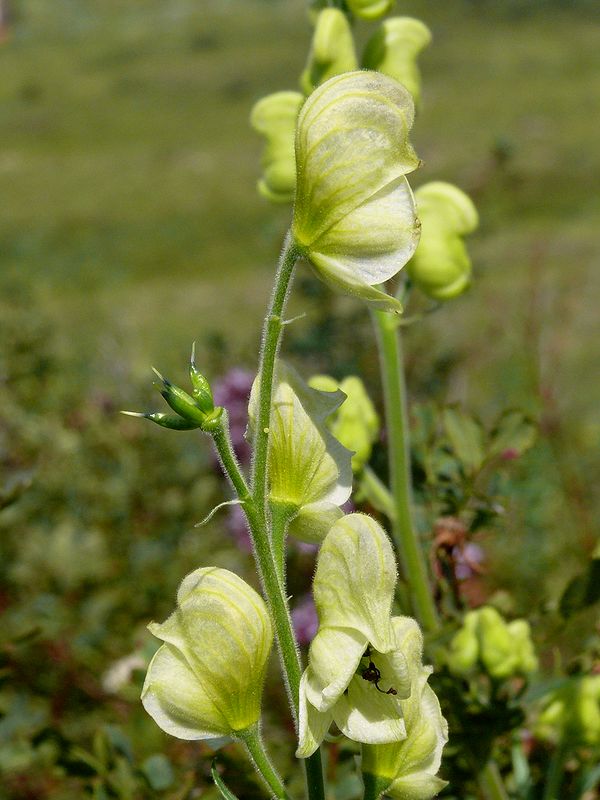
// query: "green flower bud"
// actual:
[[370, 9], [504, 650], [356, 423], [464, 648], [571, 713], [275, 118], [362, 659], [394, 48], [309, 470], [165, 420], [331, 52], [206, 680], [354, 215], [441, 266]]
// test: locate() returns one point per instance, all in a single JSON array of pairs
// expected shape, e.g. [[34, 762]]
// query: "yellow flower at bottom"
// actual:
[[205, 681]]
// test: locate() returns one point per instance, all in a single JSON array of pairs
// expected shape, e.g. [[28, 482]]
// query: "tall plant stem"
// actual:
[[256, 508], [256, 749], [396, 415], [490, 782]]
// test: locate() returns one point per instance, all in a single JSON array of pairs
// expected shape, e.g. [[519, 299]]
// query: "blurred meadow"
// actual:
[[130, 226]]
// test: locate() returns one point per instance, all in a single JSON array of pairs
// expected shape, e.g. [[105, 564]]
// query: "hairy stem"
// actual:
[[256, 508], [258, 753], [396, 414]]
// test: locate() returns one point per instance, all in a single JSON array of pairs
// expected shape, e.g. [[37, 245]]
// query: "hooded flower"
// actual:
[[205, 681], [441, 266], [354, 216], [359, 671], [394, 48], [407, 769], [309, 470]]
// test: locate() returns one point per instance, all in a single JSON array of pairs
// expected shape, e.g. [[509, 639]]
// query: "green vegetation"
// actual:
[[130, 226]]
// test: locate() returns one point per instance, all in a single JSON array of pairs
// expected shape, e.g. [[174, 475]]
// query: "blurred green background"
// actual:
[[130, 226]]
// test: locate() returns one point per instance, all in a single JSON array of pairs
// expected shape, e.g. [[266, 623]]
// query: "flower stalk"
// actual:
[[396, 414]]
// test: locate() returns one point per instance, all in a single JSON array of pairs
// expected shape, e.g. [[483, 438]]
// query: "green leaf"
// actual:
[[466, 438], [582, 591], [158, 772], [226, 793], [514, 433]]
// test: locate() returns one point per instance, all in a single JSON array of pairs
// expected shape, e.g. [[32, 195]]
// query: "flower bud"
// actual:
[[275, 118], [309, 470], [200, 412], [355, 424], [464, 648], [206, 680], [370, 9], [332, 50], [354, 216], [441, 266], [503, 649], [571, 713], [394, 48]]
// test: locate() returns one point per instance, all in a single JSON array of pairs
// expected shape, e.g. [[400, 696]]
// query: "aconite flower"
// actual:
[[358, 671], [206, 680], [332, 50], [274, 116], [394, 48], [441, 266], [309, 470], [354, 216], [407, 769]]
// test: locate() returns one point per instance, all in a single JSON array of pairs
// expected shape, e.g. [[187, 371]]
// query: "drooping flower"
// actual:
[[407, 769], [356, 423], [205, 681], [309, 470], [441, 266], [394, 48], [354, 215], [331, 52], [359, 671]]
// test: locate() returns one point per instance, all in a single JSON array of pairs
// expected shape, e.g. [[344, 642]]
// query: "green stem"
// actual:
[[490, 782], [281, 516], [256, 509], [270, 347], [377, 493], [257, 751], [396, 413], [555, 774]]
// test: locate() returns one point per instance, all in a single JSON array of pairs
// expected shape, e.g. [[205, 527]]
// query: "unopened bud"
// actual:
[[332, 50]]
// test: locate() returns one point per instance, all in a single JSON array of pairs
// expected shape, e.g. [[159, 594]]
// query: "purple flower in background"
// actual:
[[304, 619], [468, 561], [238, 528], [232, 391]]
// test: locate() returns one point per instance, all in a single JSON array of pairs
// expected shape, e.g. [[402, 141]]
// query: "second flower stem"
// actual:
[[396, 415]]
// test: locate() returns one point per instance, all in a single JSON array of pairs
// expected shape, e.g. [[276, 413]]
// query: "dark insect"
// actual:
[[373, 675]]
